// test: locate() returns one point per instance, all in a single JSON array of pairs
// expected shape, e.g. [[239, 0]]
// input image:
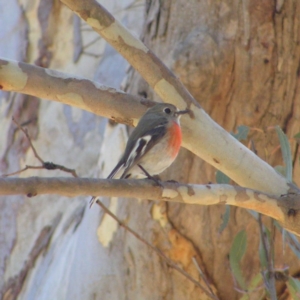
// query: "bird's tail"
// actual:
[[116, 171], [93, 200]]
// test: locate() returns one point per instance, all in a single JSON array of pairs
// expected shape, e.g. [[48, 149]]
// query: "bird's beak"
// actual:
[[182, 112]]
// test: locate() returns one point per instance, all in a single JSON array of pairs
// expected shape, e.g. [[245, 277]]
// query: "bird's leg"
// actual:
[[149, 176]]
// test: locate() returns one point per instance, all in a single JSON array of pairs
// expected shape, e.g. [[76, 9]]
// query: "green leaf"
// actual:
[[242, 133], [253, 285], [221, 178], [293, 285], [286, 153], [236, 253], [225, 218]]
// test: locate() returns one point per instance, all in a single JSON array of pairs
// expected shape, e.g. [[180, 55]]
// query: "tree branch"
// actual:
[[269, 274], [44, 164], [284, 209], [75, 91]]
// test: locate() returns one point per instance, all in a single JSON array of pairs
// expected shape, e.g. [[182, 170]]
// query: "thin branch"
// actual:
[[284, 209], [203, 276], [157, 251], [268, 276], [29, 140], [91, 54], [27, 167], [44, 164], [92, 42]]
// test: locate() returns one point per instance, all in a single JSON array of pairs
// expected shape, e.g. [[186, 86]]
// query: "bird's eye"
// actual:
[[167, 110]]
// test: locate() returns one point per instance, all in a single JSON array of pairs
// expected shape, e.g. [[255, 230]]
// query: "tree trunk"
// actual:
[[239, 59]]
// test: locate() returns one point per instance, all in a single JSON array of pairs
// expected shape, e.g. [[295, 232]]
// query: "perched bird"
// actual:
[[153, 144]]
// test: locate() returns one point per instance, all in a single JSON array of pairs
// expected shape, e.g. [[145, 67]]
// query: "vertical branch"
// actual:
[[268, 276]]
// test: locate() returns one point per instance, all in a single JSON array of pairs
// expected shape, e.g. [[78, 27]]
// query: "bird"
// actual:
[[153, 144]]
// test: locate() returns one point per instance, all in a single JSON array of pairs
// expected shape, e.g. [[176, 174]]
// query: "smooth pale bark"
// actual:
[[72, 90], [174, 192], [283, 209]]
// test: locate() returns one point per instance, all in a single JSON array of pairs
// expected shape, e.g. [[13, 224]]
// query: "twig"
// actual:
[[268, 276], [203, 275], [29, 140], [98, 38], [92, 54], [28, 122], [158, 251], [22, 170], [45, 165]]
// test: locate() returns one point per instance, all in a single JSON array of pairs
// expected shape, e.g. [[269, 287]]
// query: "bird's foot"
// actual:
[[153, 178]]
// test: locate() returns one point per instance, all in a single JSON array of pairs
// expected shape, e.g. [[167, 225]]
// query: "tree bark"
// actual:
[[239, 60]]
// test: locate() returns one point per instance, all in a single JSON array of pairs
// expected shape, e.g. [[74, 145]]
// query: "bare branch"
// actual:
[[269, 275], [27, 167], [29, 140], [75, 91], [203, 276], [159, 252], [44, 164], [284, 209]]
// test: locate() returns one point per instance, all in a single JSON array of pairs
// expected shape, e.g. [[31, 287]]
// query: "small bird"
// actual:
[[153, 145]]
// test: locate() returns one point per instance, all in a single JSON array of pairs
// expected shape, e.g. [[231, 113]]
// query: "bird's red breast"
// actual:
[[175, 139]]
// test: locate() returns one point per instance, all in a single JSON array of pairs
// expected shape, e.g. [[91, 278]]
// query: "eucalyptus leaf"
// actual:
[[225, 218], [253, 285], [242, 133], [221, 178], [237, 251], [293, 285]]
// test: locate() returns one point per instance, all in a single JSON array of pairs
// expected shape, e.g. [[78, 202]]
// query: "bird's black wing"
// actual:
[[139, 145]]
